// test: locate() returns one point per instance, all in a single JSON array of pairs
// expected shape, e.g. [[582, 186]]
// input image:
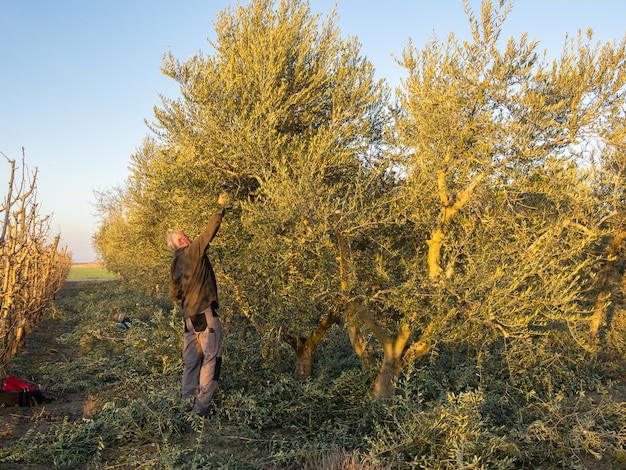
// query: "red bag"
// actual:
[[27, 391], [13, 384]]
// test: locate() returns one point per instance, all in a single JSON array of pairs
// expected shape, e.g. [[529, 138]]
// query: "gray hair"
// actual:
[[170, 241]]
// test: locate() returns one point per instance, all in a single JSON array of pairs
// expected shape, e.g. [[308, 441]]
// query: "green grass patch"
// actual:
[[89, 271]]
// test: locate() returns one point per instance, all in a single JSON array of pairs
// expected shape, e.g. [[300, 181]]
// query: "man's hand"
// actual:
[[225, 199]]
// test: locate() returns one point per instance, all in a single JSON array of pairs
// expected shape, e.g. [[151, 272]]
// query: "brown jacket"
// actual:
[[192, 280]]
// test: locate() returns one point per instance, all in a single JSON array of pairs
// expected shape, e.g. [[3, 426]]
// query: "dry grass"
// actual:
[[91, 264]]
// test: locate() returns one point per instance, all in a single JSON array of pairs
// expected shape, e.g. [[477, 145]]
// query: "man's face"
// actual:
[[181, 239]]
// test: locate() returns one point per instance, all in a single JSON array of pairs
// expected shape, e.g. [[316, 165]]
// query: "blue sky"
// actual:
[[79, 77]]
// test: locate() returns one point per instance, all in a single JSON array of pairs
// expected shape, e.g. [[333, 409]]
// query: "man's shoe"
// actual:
[[204, 413]]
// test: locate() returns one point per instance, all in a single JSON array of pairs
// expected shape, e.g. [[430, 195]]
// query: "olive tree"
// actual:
[[134, 219], [497, 196], [288, 114]]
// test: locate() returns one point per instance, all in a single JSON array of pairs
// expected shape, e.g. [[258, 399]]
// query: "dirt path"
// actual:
[[40, 348]]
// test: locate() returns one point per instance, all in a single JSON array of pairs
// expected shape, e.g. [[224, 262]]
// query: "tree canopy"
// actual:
[[481, 208]]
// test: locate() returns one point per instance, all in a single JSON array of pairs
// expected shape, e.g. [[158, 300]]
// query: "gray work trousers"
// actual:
[[202, 358]]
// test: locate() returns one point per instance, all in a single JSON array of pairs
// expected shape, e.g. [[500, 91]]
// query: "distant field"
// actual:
[[89, 271]]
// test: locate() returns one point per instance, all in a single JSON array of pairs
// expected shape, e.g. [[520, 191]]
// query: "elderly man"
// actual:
[[192, 282]]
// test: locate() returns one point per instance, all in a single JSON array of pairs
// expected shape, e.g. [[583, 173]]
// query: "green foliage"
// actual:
[[70, 445], [462, 408], [481, 222], [288, 113]]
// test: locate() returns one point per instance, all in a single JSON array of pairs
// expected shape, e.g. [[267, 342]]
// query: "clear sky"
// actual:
[[78, 78]]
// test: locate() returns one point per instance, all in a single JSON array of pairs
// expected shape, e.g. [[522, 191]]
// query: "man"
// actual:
[[192, 281]]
